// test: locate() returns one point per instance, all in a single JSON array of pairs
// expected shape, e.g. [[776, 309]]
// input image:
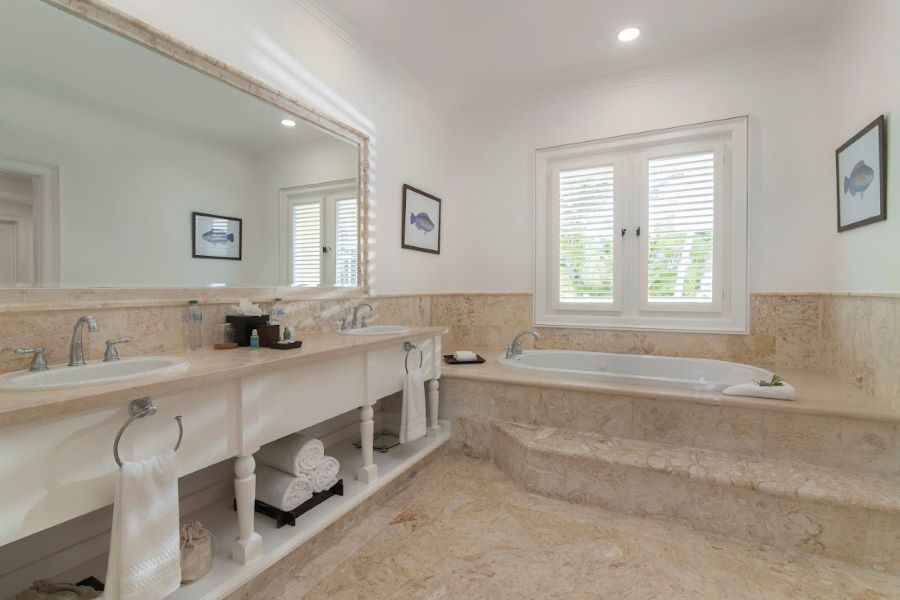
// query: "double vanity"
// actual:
[[230, 402]]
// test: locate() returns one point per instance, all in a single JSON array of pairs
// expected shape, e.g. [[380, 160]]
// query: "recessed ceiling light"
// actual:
[[629, 34], [288, 123]]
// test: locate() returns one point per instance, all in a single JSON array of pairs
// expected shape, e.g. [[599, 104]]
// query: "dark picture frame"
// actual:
[[412, 221], [844, 180], [205, 245]]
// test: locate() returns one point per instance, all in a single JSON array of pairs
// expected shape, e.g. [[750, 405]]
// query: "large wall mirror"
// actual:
[[120, 167]]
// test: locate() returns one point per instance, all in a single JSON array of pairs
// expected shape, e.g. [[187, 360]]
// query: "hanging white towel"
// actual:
[[775, 392], [281, 490], [413, 424], [295, 454], [325, 474], [144, 561]]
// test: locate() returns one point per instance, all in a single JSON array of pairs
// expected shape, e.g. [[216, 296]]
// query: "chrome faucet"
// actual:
[[38, 363], [76, 350], [515, 349], [356, 312]]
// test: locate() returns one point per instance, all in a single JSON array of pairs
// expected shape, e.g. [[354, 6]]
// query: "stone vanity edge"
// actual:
[[815, 391], [206, 367]]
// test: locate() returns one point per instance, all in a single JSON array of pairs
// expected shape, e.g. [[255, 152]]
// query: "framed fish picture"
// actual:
[[421, 221], [215, 236], [862, 177]]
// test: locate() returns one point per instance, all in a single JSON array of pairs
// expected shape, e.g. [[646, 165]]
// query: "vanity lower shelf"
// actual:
[[218, 516]]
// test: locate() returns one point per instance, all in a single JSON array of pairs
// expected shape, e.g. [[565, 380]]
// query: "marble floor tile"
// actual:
[[462, 529]]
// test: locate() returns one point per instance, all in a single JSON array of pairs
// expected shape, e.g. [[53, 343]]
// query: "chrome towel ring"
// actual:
[[409, 347], [138, 408]]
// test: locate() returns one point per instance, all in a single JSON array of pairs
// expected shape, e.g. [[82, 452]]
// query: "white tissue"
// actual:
[[246, 309], [465, 356]]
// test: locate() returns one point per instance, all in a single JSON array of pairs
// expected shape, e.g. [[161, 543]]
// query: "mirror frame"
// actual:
[[134, 30]]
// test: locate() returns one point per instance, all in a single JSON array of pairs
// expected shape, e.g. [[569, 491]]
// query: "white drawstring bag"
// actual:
[[196, 551]]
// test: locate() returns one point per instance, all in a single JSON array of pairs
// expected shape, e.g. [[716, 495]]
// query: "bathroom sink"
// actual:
[[95, 373], [376, 330]]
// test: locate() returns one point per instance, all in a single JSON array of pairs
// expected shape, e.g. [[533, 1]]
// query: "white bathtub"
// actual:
[[685, 373]]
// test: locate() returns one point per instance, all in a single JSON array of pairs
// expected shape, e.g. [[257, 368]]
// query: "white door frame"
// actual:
[[45, 210]]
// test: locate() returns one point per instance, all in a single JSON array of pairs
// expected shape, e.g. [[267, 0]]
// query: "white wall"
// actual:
[[862, 73], [281, 43], [790, 209]]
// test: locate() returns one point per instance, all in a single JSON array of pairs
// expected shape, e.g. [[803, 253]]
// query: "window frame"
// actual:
[[729, 310], [326, 195]]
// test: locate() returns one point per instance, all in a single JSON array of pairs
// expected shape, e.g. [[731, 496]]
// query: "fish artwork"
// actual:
[[860, 179], [421, 221], [218, 238]]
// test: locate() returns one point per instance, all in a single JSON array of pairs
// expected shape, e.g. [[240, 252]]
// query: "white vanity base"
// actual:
[[274, 544]]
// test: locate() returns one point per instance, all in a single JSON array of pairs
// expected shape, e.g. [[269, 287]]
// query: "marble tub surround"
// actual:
[[828, 512], [206, 367], [861, 343], [816, 429], [465, 530]]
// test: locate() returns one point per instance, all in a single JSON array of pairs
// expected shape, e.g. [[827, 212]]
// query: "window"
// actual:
[[321, 246], [645, 231]]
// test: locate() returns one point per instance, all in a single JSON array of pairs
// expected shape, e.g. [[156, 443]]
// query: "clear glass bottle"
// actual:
[[278, 312], [195, 325]]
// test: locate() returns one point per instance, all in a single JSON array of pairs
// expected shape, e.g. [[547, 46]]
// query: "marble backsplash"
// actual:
[[855, 337]]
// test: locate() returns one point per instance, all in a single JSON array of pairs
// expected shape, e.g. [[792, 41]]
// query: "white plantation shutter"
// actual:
[[586, 234], [346, 242], [307, 243], [680, 223]]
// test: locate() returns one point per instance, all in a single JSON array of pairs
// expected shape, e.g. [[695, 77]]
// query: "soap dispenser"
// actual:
[[254, 339]]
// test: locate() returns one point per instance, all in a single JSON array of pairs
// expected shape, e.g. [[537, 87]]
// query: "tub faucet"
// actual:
[[76, 350], [356, 312], [515, 349]]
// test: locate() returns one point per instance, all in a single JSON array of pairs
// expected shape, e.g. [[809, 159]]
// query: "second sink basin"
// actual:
[[95, 373], [376, 330]]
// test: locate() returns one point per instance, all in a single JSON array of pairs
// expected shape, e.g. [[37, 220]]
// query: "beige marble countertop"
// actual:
[[817, 392], [205, 366]]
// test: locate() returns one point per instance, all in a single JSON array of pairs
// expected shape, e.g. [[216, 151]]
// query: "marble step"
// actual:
[[846, 515]]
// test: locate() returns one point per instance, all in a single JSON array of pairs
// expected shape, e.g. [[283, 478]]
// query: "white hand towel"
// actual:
[[325, 474], [412, 415], [277, 488], [144, 560], [295, 454], [775, 392], [465, 356]]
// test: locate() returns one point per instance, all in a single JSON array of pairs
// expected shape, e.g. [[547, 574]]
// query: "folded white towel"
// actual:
[[281, 490], [325, 474], [412, 415], [295, 454], [465, 356], [776, 392], [144, 560]]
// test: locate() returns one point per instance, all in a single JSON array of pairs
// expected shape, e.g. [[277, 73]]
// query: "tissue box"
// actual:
[[244, 326]]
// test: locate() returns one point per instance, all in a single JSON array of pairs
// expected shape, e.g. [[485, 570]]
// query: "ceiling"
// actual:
[[480, 51], [57, 56]]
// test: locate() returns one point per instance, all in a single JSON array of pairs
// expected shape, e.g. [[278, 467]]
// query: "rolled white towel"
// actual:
[[775, 392], [465, 356], [325, 474], [277, 488], [294, 454]]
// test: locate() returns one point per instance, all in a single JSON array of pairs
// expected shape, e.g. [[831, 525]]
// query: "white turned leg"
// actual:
[[434, 428], [368, 472], [248, 545]]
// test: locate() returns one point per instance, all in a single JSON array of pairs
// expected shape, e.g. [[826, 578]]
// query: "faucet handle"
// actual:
[[343, 325], [111, 352], [38, 363], [365, 322]]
